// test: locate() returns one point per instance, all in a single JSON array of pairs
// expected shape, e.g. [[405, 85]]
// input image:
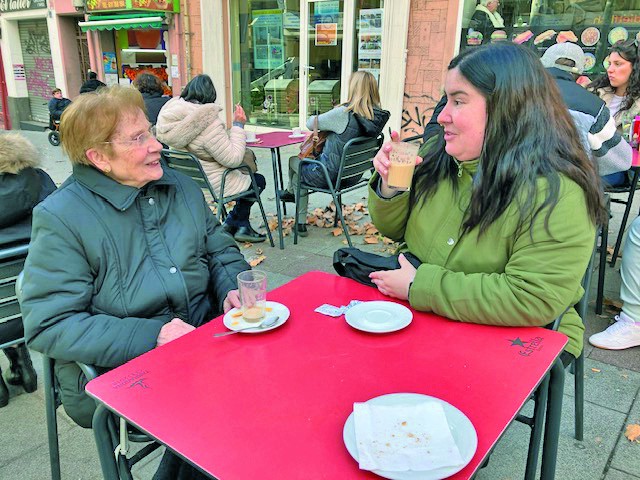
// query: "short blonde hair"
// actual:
[[93, 118], [363, 94]]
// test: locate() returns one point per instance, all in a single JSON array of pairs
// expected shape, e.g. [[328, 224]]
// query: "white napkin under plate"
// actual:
[[405, 437]]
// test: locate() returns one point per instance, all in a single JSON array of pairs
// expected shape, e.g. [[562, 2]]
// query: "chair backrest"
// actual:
[[189, 165], [11, 264], [357, 158]]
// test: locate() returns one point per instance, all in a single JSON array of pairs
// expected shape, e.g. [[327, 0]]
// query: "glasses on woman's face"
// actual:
[[139, 140]]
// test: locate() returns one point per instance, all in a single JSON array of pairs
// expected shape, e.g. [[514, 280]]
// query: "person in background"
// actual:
[[22, 187], [92, 84], [504, 225], [486, 19], [192, 122], [360, 116], [125, 256], [150, 86], [57, 105], [565, 63], [620, 90], [625, 331]]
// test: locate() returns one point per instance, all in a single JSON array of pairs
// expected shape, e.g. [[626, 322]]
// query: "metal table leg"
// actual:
[[284, 205], [100, 424], [625, 217], [552, 425], [275, 156]]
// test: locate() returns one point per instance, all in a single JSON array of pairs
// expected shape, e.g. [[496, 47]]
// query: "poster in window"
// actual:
[[326, 34], [268, 48], [370, 40], [370, 20], [109, 62]]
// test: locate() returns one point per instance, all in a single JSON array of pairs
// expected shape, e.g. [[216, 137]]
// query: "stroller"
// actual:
[[54, 134]]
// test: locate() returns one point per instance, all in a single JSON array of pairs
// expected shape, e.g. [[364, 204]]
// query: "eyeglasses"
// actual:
[[139, 141]]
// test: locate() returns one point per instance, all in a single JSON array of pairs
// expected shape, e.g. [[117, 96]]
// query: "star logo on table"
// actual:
[[526, 348], [139, 383]]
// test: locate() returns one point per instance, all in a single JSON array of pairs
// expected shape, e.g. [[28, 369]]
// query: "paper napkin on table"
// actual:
[[404, 437]]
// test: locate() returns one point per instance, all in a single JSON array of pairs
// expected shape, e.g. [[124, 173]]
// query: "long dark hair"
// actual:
[[629, 51], [200, 89], [529, 134]]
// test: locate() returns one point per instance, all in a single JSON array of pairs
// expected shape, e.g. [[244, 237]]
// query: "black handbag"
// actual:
[[357, 265]]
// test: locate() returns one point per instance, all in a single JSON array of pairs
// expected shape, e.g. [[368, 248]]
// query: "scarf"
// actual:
[[495, 17]]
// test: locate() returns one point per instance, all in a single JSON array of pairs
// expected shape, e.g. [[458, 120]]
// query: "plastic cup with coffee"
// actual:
[[252, 285], [403, 161]]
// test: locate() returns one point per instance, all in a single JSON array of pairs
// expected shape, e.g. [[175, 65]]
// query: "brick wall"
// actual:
[[195, 28], [430, 43]]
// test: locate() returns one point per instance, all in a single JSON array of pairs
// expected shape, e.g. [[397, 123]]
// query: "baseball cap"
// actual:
[[567, 50]]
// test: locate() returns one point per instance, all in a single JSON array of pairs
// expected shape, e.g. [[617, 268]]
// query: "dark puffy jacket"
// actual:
[[57, 106], [91, 85], [356, 126], [153, 102], [110, 264]]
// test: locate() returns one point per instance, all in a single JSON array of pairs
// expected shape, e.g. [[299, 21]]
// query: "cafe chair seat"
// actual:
[[355, 170]]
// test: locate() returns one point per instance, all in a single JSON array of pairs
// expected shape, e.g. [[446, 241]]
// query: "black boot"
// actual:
[[22, 371], [4, 392]]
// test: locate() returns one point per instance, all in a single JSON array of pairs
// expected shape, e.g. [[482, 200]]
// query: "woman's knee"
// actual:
[[260, 181]]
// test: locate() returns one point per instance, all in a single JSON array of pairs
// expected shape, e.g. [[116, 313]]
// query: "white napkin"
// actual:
[[404, 437]]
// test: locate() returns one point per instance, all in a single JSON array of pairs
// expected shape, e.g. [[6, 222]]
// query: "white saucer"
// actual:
[[378, 317], [298, 136], [462, 430], [254, 141], [238, 323]]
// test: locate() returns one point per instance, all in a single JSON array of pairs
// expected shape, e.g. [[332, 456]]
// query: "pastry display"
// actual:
[[590, 36], [589, 61], [523, 37], [566, 36], [474, 38], [618, 34], [544, 36], [499, 36]]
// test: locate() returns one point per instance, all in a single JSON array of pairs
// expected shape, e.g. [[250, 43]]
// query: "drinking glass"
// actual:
[[252, 285]]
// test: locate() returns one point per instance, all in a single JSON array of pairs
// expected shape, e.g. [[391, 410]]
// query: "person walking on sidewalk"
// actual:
[[22, 187], [625, 332]]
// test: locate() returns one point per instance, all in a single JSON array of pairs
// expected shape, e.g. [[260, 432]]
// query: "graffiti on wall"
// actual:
[[416, 113], [40, 77]]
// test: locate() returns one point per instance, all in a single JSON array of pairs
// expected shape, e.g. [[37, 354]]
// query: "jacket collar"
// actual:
[[560, 74], [119, 195]]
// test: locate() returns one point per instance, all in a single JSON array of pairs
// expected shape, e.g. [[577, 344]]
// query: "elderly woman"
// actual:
[[504, 226], [125, 256], [192, 122], [486, 19]]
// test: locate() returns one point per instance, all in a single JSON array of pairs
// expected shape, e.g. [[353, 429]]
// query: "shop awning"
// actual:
[[124, 22]]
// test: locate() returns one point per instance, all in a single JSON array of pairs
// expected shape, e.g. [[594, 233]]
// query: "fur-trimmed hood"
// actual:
[[17, 153]]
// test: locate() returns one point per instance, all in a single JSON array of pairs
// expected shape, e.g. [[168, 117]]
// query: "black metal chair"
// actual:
[[189, 165], [356, 166], [540, 396], [118, 465], [630, 191]]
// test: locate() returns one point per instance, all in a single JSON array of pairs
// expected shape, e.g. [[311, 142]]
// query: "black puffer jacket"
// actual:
[[153, 102], [344, 125], [22, 187]]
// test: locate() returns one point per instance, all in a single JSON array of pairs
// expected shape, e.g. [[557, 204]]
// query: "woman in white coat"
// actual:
[[192, 122]]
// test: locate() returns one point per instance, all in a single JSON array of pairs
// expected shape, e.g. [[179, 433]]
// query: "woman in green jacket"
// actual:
[[503, 209]]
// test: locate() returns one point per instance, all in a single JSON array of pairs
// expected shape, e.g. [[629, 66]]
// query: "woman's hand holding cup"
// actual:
[[382, 164]]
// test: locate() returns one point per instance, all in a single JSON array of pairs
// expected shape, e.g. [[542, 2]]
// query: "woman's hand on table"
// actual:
[[395, 283], [381, 163], [239, 115], [231, 301], [172, 330]]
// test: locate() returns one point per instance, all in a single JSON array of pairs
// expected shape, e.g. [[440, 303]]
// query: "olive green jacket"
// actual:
[[498, 278]]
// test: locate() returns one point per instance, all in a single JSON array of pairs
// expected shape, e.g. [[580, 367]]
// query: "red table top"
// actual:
[[275, 140], [244, 405], [635, 162]]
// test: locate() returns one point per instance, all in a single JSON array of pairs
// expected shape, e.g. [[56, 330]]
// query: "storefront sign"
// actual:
[[326, 34], [327, 7], [105, 5], [109, 62], [268, 48], [17, 5], [18, 72]]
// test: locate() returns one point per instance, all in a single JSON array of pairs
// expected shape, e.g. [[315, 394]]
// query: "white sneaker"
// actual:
[[625, 333]]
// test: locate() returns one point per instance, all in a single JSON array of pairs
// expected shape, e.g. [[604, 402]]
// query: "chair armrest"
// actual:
[[89, 370]]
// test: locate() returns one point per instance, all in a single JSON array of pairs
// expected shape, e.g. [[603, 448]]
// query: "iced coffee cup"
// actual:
[[403, 162], [252, 286]]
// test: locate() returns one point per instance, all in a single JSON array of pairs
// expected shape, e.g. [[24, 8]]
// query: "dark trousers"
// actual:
[[239, 216]]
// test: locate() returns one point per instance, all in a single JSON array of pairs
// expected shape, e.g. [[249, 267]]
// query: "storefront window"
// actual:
[[265, 46], [595, 25], [367, 48]]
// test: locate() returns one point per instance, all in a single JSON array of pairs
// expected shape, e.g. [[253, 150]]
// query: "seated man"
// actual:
[[625, 332], [57, 104]]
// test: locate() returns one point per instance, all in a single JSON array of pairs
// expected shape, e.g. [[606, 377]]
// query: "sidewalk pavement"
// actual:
[[612, 379]]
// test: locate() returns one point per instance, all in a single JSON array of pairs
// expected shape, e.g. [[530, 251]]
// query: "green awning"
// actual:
[[122, 22]]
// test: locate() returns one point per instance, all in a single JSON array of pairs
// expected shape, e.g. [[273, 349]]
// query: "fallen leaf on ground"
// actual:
[[633, 432], [597, 370], [247, 245], [255, 261], [371, 240], [336, 232]]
